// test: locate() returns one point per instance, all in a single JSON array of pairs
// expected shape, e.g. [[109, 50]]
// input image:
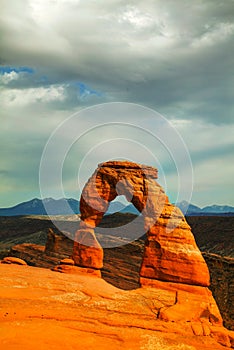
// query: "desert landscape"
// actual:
[[116, 175], [36, 300], [40, 271]]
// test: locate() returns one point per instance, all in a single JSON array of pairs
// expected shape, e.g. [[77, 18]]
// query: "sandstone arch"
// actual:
[[170, 253]]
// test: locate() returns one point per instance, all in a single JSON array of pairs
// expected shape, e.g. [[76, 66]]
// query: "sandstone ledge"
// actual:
[[43, 309]]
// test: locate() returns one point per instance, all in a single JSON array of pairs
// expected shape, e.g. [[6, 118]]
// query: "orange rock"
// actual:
[[192, 303], [56, 242], [199, 290], [45, 310], [67, 261], [171, 253], [87, 251], [197, 328], [76, 270], [206, 329], [13, 260], [221, 335], [192, 307]]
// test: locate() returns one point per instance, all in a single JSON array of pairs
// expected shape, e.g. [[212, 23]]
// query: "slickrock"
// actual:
[[171, 253], [41, 309]]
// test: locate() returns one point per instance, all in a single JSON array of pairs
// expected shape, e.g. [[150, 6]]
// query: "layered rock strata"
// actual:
[[170, 253]]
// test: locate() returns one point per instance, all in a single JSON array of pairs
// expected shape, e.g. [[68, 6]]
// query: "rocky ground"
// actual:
[[41, 309], [122, 264]]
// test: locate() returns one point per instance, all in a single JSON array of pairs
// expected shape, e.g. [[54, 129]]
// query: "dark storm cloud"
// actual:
[[163, 54]]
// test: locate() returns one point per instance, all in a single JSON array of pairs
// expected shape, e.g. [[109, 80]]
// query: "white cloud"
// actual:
[[22, 97], [8, 77], [135, 17]]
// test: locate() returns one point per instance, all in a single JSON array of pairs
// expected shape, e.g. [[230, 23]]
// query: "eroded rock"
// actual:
[[170, 254], [13, 260]]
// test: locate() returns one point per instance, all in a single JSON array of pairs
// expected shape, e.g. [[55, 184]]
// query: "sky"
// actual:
[[63, 57]]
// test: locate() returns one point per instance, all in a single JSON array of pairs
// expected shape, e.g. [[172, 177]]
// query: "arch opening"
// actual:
[[117, 270], [121, 205], [170, 251]]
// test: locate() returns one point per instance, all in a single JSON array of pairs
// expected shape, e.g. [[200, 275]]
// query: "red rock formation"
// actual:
[[13, 260], [87, 251], [122, 265], [56, 243], [67, 261], [171, 253]]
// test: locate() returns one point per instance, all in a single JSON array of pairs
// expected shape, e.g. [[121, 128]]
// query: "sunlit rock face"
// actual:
[[170, 252]]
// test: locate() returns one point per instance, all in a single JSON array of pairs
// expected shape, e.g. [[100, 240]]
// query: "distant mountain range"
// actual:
[[63, 206], [69, 206], [190, 209], [36, 207]]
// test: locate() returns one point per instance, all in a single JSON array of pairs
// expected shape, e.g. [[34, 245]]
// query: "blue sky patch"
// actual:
[[85, 90], [9, 69]]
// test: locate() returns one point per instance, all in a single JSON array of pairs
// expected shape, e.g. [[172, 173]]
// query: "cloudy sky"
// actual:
[[175, 57]]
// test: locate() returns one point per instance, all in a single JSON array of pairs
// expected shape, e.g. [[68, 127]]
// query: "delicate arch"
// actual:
[[170, 253]]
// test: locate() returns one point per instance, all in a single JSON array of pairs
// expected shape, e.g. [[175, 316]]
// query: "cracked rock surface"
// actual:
[[42, 309]]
